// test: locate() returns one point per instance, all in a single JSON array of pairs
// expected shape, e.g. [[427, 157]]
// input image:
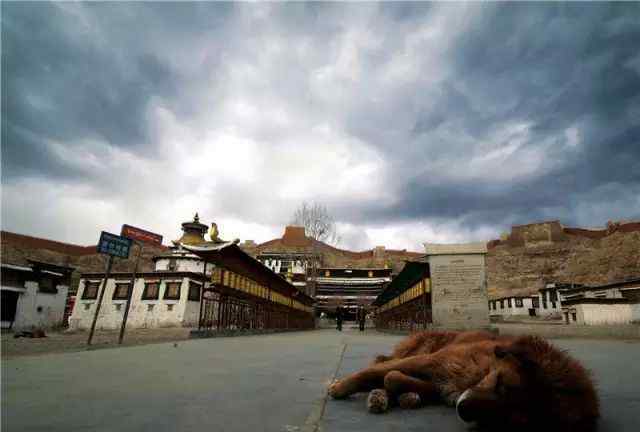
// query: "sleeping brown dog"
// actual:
[[495, 382]]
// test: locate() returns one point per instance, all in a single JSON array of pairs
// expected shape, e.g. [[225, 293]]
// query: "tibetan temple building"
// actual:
[[198, 283], [349, 288], [405, 303]]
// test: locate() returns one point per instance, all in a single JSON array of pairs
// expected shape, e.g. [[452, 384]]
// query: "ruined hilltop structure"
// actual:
[[521, 262]]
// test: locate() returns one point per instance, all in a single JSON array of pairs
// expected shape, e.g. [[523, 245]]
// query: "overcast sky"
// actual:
[[410, 122]]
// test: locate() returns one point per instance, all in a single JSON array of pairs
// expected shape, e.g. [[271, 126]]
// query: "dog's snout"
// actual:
[[476, 406], [464, 408]]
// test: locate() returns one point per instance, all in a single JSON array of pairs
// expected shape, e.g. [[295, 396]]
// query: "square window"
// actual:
[[122, 291], [151, 290], [173, 265], [150, 307], [87, 306], [90, 291], [118, 306], [172, 291], [47, 285], [169, 307], [519, 302], [194, 291]]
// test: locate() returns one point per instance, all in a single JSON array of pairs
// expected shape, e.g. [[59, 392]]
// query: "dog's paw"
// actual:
[[409, 400], [336, 390], [378, 401]]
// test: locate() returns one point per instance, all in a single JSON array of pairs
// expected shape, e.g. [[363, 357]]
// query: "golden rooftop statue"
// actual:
[[213, 232], [192, 232]]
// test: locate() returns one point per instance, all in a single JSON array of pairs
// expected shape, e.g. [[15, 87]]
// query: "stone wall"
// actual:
[[458, 285], [547, 251]]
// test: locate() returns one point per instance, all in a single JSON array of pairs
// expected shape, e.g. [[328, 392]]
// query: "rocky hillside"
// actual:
[[531, 254]]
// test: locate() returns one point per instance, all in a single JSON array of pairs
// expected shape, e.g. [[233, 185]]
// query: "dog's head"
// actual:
[[531, 384]]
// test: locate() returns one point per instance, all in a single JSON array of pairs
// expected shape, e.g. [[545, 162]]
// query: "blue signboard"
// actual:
[[114, 245]]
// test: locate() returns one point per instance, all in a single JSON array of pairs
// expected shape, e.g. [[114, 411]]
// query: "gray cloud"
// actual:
[[407, 119]]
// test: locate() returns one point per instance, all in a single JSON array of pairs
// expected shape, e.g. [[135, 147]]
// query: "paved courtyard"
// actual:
[[252, 383]]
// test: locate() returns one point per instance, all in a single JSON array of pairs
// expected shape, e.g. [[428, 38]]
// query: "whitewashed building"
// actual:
[[167, 297], [33, 295], [549, 300], [608, 304], [513, 306]]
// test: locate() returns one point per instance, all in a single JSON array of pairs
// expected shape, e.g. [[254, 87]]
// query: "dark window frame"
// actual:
[[145, 292], [119, 296], [194, 296], [85, 296], [553, 296], [166, 291], [535, 303], [519, 303], [509, 303], [48, 285]]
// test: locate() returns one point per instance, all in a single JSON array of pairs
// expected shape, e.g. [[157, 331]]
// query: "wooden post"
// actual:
[[129, 294], [204, 281], [424, 303], [104, 288]]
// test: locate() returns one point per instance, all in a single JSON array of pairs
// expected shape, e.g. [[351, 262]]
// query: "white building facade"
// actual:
[[513, 306], [33, 296], [158, 299], [167, 297], [610, 304]]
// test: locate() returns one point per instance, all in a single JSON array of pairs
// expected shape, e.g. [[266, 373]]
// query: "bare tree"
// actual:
[[320, 226], [317, 222]]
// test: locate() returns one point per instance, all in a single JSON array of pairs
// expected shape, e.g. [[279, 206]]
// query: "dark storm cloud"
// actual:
[[88, 75], [555, 67]]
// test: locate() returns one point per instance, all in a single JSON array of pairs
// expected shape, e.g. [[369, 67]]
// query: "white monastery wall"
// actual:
[[38, 309], [142, 313]]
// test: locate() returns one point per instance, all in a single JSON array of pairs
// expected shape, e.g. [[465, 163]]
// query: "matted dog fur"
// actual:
[[495, 382]]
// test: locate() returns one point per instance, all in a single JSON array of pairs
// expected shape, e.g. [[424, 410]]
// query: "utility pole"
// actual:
[[204, 281], [104, 288], [130, 293]]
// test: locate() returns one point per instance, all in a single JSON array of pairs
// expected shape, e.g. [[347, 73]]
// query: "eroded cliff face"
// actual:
[[533, 254]]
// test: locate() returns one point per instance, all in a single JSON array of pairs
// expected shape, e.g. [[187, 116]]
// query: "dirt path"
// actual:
[[58, 342]]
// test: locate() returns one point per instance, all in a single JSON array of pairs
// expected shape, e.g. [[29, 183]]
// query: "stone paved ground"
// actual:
[[252, 383]]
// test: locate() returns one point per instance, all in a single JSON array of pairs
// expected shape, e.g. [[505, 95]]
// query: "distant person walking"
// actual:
[[339, 317], [361, 315]]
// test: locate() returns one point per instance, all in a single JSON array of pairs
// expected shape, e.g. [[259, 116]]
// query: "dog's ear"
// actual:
[[520, 350], [524, 351]]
